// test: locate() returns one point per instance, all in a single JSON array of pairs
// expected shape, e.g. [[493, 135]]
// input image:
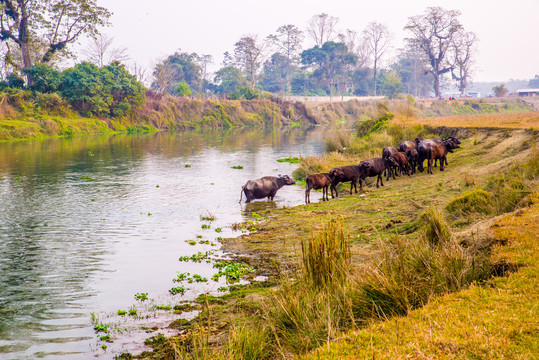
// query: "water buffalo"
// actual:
[[374, 167], [413, 159], [408, 145], [387, 152], [264, 187], [320, 181], [431, 150], [344, 174], [439, 141], [402, 161]]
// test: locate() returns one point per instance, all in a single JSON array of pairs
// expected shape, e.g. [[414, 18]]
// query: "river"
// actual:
[[88, 222]]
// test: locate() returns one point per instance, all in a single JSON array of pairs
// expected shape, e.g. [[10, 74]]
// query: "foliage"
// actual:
[[109, 91], [182, 89], [228, 79], [500, 90], [45, 79], [54, 24]]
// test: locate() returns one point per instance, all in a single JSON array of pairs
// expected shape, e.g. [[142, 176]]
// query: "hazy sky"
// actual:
[[508, 30]]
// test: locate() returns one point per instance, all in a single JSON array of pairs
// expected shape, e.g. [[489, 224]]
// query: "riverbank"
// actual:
[[499, 165], [25, 115]]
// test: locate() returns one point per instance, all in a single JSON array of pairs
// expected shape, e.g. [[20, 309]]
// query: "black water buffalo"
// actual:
[[439, 141], [408, 145], [413, 158], [344, 174], [264, 187], [432, 150], [402, 161], [320, 181], [387, 152], [374, 167]]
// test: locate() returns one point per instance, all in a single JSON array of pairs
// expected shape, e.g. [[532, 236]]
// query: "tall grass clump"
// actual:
[[436, 230], [326, 255], [248, 342], [313, 309], [509, 187], [408, 272]]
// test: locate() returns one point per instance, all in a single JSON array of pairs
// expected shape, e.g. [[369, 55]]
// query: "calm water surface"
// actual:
[[87, 222]]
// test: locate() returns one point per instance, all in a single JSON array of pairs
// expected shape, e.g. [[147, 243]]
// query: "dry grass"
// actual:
[[498, 321], [528, 120]]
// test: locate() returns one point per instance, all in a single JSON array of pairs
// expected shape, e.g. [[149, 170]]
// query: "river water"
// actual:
[[88, 222]]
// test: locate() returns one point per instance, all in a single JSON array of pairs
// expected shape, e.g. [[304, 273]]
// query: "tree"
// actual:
[[500, 90], [249, 56], [101, 52], [412, 66], [321, 28], [463, 49], [433, 32], [58, 22], [534, 83], [177, 68], [203, 61], [228, 79], [183, 89], [378, 41], [288, 43], [45, 78], [332, 62], [107, 91], [275, 77], [356, 45], [390, 83]]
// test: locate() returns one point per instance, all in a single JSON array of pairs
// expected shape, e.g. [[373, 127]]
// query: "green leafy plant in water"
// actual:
[[205, 226], [104, 337], [163, 307], [222, 288], [133, 312], [233, 272], [87, 178], [122, 312], [197, 278], [291, 160], [104, 346], [199, 236], [177, 290], [181, 277], [187, 165], [198, 257], [141, 296], [101, 327], [237, 167], [218, 230], [191, 242]]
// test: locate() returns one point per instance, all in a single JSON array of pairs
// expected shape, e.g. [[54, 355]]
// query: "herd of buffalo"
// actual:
[[404, 160]]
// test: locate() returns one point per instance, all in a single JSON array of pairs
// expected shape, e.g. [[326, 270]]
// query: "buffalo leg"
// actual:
[[307, 196]]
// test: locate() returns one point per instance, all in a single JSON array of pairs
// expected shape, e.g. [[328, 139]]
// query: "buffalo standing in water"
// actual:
[[264, 187]]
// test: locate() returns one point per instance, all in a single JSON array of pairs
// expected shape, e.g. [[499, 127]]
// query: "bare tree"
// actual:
[[378, 39], [141, 73], [463, 50], [321, 28], [102, 53], [249, 56], [356, 45], [433, 32], [288, 43], [163, 76]]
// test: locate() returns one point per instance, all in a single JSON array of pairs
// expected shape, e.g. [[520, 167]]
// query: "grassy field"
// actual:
[[428, 266]]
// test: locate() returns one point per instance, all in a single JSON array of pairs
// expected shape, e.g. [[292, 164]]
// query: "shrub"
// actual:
[[435, 227], [475, 201], [43, 78]]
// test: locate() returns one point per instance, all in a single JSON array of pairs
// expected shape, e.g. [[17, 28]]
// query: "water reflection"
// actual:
[[87, 222]]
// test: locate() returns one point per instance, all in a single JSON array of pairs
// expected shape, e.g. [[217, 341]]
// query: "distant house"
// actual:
[[528, 92], [474, 94]]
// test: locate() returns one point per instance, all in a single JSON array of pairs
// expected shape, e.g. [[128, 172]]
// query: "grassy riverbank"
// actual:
[[420, 248], [27, 115], [24, 115]]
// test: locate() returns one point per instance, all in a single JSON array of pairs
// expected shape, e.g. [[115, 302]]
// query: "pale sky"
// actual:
[[508, 30]]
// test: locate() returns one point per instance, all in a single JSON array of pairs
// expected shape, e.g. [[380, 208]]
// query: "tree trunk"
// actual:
[[374, 77]]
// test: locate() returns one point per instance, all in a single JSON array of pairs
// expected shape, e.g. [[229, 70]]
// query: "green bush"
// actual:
[[475, 201]]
